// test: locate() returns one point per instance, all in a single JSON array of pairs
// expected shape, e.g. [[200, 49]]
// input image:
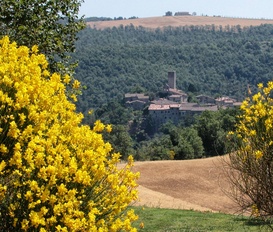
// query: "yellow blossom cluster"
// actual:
[[256, 124], [56, 174]]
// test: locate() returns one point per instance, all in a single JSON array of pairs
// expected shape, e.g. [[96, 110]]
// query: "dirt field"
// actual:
[[189, 184], [176, 21]]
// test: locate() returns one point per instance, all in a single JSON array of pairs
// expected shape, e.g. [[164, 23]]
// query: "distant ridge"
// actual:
[[177, 21]]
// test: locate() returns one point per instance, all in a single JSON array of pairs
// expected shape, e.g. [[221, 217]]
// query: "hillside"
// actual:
[[114, 61], [189, 184], [178, 21]]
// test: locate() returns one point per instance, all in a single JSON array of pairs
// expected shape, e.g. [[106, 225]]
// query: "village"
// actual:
[[175, 107]]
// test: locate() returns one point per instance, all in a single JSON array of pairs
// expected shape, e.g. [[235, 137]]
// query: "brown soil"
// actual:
[[176, 21], [190, 184]]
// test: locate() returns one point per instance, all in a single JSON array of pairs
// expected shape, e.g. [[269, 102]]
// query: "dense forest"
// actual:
[[207, 60]]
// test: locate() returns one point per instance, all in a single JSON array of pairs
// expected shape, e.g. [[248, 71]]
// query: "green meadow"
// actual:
[[156, 219]]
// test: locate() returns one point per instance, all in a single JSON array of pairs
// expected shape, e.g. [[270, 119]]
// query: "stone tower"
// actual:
[[172, 79]]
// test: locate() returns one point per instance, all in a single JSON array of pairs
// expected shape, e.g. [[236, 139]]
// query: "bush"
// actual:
[[56, 174], [251, 162]]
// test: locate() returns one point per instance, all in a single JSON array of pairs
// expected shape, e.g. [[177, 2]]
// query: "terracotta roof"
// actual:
[[184, 107], [163, 107], [225, 99], [159, 107], [195, 107]]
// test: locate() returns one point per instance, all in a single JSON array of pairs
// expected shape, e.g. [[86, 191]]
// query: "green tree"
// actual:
[[51, 24], [137, 89], [121, 141], [185, 141], [209, 127], [158, 148], [114, 113]]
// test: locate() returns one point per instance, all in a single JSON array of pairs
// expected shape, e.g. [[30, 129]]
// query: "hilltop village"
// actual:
[[175, 107]]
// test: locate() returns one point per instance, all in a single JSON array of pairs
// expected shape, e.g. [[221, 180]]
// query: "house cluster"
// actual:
[[182, 13], [136, 100], [176, 107]]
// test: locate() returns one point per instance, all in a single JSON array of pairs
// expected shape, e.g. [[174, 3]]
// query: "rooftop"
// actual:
[[163, 101], [163, 107], [183, 107]]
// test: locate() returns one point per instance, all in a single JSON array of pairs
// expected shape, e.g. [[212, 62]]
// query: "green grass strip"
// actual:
[[156, 219]]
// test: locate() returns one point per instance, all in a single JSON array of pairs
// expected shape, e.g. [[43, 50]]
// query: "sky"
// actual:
[[150, 8]]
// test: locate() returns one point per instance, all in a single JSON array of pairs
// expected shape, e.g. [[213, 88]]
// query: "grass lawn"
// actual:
[[155, 219]]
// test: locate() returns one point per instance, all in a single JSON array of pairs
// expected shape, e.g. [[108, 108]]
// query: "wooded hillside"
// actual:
[[208, 61]]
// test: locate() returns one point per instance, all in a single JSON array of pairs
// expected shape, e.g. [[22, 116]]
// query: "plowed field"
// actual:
[[189, 184]]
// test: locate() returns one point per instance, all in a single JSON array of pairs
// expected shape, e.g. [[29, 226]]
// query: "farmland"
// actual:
[[179, 21]]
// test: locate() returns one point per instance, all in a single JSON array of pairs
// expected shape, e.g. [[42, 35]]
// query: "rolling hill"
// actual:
[[177, 21], [199, 184]]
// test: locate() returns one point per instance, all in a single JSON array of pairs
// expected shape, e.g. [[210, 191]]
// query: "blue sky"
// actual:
[[150, 8]]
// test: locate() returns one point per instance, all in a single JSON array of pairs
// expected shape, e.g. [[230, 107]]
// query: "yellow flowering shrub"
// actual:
[[252, 157], [255, 128], [56, 174]]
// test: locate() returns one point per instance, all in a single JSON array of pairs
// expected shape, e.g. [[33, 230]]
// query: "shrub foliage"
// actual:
[[55, 174], [252, 161]]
